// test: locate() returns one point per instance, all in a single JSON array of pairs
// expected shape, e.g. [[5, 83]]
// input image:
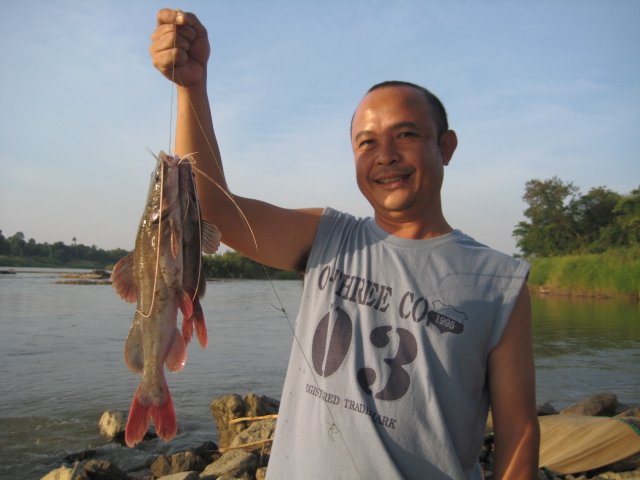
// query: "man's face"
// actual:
[[399, 164]]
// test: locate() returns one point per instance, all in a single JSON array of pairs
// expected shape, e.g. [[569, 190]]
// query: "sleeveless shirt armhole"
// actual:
[[511, 295], [328, 221]]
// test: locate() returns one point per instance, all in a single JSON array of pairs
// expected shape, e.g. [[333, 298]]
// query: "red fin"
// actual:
[[198, 322], [138, 422], [187, 329], [185, 303], [177, 356], [164, 419], [122, 279]]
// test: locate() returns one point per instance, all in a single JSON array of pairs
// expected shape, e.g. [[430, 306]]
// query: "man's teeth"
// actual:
[[393, 179]]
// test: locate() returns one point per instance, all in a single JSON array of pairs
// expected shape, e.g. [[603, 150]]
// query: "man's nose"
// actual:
[[388, 153]]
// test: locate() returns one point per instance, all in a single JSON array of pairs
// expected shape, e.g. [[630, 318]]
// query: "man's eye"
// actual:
[[364, 143], [407, 134]]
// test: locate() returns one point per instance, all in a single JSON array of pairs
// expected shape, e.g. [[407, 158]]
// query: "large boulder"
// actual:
[[232, 407], [258, 432], [598, 405], [235, 463], [112, 424], [101, 470], [225, 409], [177, 463]]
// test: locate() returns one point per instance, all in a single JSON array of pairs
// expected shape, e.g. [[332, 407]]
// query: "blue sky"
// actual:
[[533, 89]]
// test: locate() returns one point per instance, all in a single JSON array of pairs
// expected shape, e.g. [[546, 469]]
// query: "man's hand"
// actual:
[[180, 47]]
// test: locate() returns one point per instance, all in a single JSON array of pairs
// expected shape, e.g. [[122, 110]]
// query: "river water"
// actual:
[[61, 364]]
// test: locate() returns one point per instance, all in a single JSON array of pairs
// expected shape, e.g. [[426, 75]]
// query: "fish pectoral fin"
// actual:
[[122, 279], [210, 237], [133, 351], [177, 356]]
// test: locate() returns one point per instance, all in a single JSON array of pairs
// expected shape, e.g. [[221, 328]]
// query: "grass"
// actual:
[[614, 273]]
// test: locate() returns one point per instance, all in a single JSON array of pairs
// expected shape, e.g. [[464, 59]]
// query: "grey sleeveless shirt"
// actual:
[[387, 377]]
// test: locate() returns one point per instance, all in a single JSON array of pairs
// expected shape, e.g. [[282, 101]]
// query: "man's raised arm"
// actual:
[[180, 50]]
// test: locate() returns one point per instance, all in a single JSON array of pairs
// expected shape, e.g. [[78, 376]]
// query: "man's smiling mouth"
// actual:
[[397, 178]]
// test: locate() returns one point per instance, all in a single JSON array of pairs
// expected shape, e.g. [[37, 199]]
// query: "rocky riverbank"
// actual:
[[596, 439]]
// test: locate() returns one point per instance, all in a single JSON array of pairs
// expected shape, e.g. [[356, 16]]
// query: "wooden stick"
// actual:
[[251, 419], [254, 444]]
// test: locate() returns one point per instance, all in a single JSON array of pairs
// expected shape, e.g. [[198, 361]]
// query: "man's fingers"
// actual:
[[167, 60], [163, 41], [178, 17]]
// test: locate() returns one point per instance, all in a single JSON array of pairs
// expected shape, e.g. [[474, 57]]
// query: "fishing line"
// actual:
[[333, 427], [155, 277]]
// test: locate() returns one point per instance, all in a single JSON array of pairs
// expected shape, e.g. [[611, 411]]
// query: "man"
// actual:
[[407, 327]]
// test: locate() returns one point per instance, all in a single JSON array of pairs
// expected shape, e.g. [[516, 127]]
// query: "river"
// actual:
[[61, 363]]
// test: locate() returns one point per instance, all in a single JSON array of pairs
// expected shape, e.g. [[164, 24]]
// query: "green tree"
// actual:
[[16, 244], [627, 212], [551, 228], [594, 219]]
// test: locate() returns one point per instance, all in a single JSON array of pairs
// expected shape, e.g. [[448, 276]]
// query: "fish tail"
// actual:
[[141, 412], [164, 418], [138, 421]]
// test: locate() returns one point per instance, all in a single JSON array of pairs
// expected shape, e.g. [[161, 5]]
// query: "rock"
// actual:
[[208, 452], [225, 409], [79, 456], [101, 470], [635, 475], [181, 476], [255, 406], [234, 463], [257, 432], [261, 473], [626, 464], [231, 407], [598, 405], [546, 409], [176, 463], [62, 473], [112, 424], [632, 412]]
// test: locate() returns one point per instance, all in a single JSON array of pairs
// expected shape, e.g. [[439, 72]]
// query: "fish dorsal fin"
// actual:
[[210, 237], [177, 356], [122, 279], [133, 350]]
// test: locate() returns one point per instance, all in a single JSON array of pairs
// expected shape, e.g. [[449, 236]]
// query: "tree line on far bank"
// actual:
[[18, 252], [15, 251], [563, 222]]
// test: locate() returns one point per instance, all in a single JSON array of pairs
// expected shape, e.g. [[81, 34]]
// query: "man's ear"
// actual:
[[448, 144]]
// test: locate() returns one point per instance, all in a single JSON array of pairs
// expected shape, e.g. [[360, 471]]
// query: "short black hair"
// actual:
[[439, 114]]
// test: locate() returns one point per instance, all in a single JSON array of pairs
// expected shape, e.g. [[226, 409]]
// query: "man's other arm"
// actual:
[[512, 390]]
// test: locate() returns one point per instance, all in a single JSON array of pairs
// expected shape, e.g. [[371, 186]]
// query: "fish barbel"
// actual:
[[152, 276]]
